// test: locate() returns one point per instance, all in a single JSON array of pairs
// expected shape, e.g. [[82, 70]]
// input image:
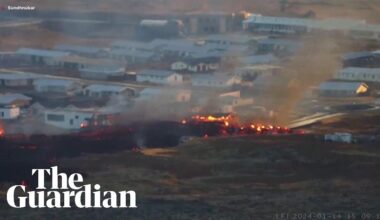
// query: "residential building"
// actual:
[[167, 94], [14, 99], [159, 77], [46, 85], [102, 72], [214, 80], [9, 112], [342, 89], [41, 57], [359, 74], [106, 90]]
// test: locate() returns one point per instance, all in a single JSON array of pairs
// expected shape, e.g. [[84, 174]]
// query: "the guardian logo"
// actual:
[[66, 192]]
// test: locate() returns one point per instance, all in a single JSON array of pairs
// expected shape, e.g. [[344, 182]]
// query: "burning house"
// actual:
[[14, 99], [342, 89], [9, 112], [73, 118]]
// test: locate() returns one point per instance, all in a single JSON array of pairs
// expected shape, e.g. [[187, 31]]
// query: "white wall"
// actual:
[[9, 113], [66, 120]]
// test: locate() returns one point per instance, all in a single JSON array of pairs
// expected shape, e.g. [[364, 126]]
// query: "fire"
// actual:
[[230, 125], [2, 132]]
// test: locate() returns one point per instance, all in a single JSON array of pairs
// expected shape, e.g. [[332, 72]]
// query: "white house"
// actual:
[[80, 50], [168, 94], [38, 56], [342, 89], [253, 71], [359, 74], [159, 77], [10, 112], [101, 72], [67, 118], [206, 64], [214, 80], [45, 85], [132, 57], [258, 59], [16, 79], [105, 90]]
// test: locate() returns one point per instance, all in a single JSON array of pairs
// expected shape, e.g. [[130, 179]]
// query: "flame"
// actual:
[[2, 132]]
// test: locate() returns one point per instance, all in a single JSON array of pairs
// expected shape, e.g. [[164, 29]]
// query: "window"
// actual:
[[55, 117]]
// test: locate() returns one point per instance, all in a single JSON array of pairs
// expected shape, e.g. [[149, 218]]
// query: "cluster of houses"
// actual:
[[210, 71]]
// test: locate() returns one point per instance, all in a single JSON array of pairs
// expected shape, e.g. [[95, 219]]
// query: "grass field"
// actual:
[[233, 178]]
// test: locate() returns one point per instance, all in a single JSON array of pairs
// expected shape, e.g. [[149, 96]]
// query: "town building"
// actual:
[[102, 72], [159, 77], [14, 99], [62, 86], [16, 79], [365, 59], [196, 65], [359, 74], [342, 89], [106, 90], [39, 56], [357, 29], [9, 112], [214, 80], [167, 94], [86, 51]]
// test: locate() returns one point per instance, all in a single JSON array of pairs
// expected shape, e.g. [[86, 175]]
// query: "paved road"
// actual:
[[77, 79]]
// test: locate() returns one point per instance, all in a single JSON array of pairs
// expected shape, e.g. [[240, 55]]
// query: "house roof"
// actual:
[[161, 73], [212, 77], [86, 60], [125, 52], [355, 70], [341, 86], [41, 53], [103, 69], [53, 82], [258, 59], [105, 87], [78, 48], [17, 76], [282, 42], [208, 60], [134, 45], [355, 55], [8, 98], [233, 38]]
